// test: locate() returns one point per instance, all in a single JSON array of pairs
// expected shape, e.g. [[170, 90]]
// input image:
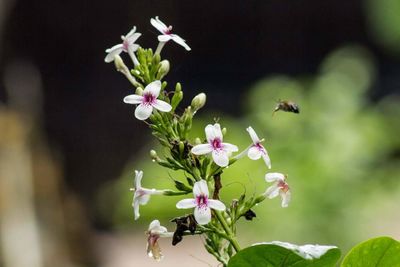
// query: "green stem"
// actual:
[[231, 236]]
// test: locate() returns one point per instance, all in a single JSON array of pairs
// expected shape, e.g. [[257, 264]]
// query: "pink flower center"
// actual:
[[216, 143], [260, 147], [125, 45], [168, 30], [202, 201], [149, 99], [283, 186]]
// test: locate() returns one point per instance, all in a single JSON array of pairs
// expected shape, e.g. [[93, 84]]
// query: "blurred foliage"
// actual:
[[341, 154], [384, 20]]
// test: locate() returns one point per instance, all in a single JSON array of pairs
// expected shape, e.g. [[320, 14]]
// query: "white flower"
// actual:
[[128, 45], [257, 150], [201, 203], [167, 33], [141, 195], [148, 101], [220, 151], [154, 232], [280, 187]]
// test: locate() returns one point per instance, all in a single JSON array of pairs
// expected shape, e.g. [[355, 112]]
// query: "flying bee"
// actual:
[[287, 106]]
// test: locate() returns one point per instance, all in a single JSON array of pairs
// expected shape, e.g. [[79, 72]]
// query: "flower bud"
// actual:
[[223, 131], [197, 141], [139, 91], [153, 154], [198, 101], [164, 68], [119, 64]]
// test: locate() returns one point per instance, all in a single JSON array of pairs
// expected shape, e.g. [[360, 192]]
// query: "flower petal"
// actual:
[[186, 203], [131, 32], [153, 88], [202, 149], [213, 132], [266, 159], [164, 38], [202, 215], [112, 52], [162, 105], [154, 224], [229, 147], [138, 179], [158, 24], [216, 204], [143, 112], [177, 39], [254, 153], [272, 191], [132, 38], [135, 205], [200, 188], [133, 99], [143, 199], [253, 135], [274, 176], [286, 196], [220, 158]]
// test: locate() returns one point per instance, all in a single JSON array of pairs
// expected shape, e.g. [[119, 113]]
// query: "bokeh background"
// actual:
[[69, 146]]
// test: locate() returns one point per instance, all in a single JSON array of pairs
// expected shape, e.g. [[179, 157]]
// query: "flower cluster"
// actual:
[[203, 163]]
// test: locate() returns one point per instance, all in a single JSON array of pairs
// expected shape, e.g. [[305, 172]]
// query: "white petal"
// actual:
[[164, 38], [162, 106], [216, 204], [272, 191], [154, 224], [133, 99], [158, 24], [131, 32], [202, 215], [254, 153], [229, 147], [186, 203], [202, 149], [132, 38], [213, 132], [135, 206], [153, 88], [143, 112], [112, 52], [200, 188], [274, 176], [138, 179], [253, 135], [143, 199], [177, 39], [220, 158], [133, 47], [285, 198], [266, 159]]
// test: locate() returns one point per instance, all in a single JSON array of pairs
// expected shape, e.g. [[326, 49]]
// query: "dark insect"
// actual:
[[287, 106]]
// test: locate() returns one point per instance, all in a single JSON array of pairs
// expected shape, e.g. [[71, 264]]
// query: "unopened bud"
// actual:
[[181, 147], [164, 68], [139, 91], [198, 101], [224, 131], [178, 87], [120, 65], [153, 154], [197, 141]]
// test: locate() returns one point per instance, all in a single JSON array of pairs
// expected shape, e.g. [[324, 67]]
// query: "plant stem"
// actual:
[[231, 236]]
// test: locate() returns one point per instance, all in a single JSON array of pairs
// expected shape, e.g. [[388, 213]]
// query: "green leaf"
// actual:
[[270, 255], [376, 252]]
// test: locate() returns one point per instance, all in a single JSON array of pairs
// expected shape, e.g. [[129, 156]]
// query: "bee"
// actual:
[[287, 106]]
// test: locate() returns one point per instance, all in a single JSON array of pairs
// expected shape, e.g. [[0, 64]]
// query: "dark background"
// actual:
[[234, 43]]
